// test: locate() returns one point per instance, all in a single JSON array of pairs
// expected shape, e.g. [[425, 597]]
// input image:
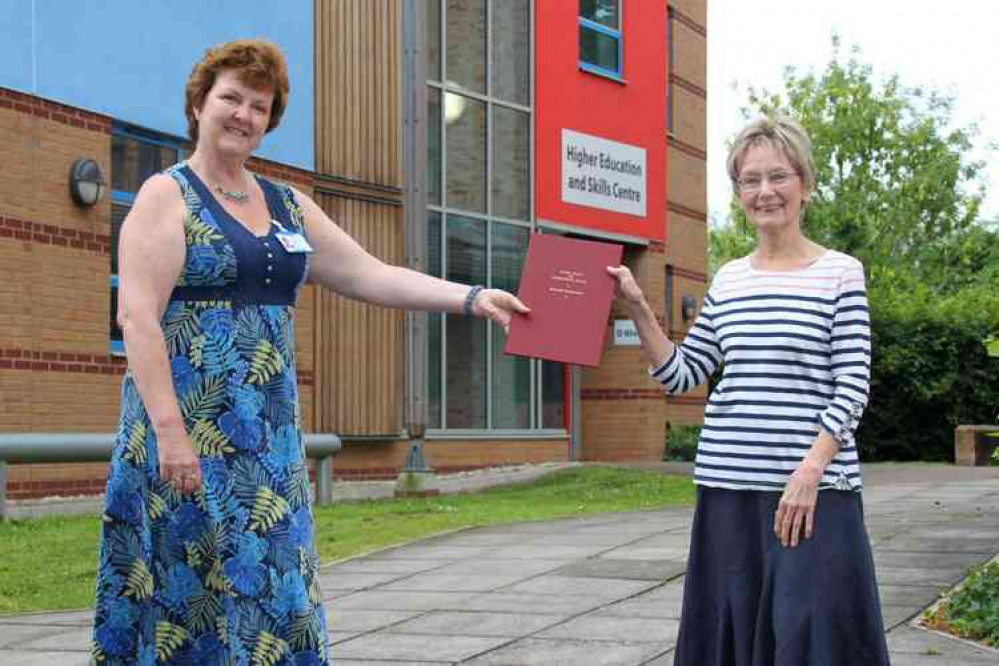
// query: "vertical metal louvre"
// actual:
[[358, 119]]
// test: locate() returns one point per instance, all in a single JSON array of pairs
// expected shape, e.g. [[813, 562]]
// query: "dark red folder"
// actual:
[[566, 285]]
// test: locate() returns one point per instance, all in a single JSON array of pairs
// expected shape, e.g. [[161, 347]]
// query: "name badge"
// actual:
[[293, 242]]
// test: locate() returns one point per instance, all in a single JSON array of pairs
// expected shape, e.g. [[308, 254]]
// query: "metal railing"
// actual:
[[97, 447]]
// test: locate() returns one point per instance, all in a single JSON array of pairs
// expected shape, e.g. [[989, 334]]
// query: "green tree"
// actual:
[[894, 182]]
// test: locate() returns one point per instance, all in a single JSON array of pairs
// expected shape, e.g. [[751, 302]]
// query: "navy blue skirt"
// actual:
[[748, 601]]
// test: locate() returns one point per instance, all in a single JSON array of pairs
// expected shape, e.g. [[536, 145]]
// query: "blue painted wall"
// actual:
[[129, 59]]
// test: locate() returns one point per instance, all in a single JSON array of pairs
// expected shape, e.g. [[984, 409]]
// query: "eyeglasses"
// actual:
[[777, 180]]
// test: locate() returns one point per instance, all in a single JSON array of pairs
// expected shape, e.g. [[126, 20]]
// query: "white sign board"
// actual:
[[625, 333], [601, 173]]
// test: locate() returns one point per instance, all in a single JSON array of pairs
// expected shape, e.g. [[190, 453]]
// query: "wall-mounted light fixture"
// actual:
[[86, 182], [688, 308]]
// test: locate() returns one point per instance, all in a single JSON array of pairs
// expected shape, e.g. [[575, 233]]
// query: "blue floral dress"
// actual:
[[228, 575]]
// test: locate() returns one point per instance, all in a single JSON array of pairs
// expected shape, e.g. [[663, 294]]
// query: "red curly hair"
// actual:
[[258, 63]]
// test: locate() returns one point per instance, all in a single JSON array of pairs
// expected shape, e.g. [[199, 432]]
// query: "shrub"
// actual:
[[930, 371], [681, 442], [973, 610]]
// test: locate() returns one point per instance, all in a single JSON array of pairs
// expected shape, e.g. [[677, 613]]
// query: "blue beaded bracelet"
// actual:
[[466, 307]]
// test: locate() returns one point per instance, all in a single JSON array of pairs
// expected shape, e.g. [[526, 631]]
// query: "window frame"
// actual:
[[616, 34], [446, 210], [116, 343]]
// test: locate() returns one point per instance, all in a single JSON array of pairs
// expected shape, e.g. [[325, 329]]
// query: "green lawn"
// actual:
[[50, 563]]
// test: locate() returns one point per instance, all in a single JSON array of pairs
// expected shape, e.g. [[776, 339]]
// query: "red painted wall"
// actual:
[[633, 112]]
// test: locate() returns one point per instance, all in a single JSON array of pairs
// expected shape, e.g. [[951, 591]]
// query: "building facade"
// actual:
[[440, 134]]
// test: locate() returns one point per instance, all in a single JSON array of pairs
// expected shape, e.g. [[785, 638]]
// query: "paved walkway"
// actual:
[[599, 590]]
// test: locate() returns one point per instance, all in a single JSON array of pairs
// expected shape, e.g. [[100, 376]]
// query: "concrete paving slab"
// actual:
[[911, 640], [498, 567], [647, 553], [600, 567], [383, 662], [608, 589], [68, 618], [529, 603], [887, 558], [974, 530], [331, 582], [75, 638], [416, 647], [552, 652], [14, 636], [610, 627], [376, 564], [397, 600], [469, 623], [598, 542], [938, 576], [436, 552], [894, 616], [454, 582], [664, 602], [358, 619], [664, 659], [934, 545], [906, 518], [935, 659], [532, 551], [43, 658], [480, 538], [917, 596], [660, 539], [337, 636]]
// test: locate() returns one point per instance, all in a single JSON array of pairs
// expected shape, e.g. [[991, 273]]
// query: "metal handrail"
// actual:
[[21, 447]]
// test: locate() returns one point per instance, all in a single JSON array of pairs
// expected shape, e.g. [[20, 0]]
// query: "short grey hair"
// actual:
[[781, 132]]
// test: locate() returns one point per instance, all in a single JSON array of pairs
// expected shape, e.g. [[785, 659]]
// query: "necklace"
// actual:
[[235, 196]]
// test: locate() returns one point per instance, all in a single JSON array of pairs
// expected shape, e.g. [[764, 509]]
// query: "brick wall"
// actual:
[[384, 459], [56, 374], [624, 413]]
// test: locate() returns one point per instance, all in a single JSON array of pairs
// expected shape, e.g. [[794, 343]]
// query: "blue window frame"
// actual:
[[135, 156], [600, 37]]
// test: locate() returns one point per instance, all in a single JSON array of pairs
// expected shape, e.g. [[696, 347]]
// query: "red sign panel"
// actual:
[[600, 142]]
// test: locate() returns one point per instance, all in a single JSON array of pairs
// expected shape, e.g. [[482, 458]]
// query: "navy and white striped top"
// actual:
[[795, 347]]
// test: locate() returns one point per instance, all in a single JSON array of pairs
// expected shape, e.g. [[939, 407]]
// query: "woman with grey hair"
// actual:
[[780, 569]]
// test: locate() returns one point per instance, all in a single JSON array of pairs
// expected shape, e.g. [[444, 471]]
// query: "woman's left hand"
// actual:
[[795, 517], [499, 306]]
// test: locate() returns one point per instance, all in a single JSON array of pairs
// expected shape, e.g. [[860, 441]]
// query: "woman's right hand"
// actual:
[[178, 463], [627, 287]]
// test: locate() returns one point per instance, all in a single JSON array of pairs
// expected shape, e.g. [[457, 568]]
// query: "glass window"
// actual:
[[553, 386], [465, 120], [434, 146], [604, 12], [511, 141], [479, 194], [466, 44], [511, 378], [433, 46], [600, 36], [465, 261], [511, 51], [435, 324], [134, 158], [132, 161]]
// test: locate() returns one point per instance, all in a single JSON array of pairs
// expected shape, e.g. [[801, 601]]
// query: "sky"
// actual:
[[951, 47]]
